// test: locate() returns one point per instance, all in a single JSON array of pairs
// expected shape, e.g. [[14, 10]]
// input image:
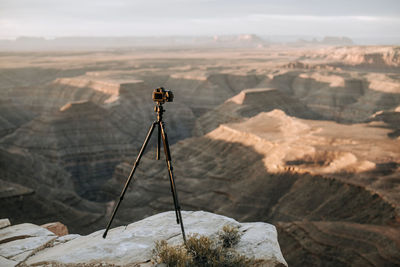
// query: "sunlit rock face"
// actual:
[[305, 138], [248, 103], [339, 96]]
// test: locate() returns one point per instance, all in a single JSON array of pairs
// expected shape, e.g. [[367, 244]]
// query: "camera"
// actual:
[[160, 95]]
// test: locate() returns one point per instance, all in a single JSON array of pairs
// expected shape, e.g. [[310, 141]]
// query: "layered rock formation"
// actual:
[[248, 103], [376, 245], [34, 189], [83, 138], [379, 57], [339, 96], [269, 142], [133, 244], [294, 170]]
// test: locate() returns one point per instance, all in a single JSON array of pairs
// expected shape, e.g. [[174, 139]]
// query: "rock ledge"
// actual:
[[132, 244]]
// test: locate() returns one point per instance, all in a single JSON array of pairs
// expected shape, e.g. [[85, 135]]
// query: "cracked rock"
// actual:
[[134, 243]]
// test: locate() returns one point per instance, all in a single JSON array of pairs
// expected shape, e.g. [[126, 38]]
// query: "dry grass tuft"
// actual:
[[229, 236], [171, 255], [203, 251]]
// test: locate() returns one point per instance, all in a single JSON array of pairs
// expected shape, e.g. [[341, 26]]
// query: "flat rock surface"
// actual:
[[18, 242], [134, 243], [6, 262], [21, 231]]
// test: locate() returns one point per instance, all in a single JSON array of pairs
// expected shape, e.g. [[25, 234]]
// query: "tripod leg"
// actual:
[[130, 176], [158, 141], [172, 180]]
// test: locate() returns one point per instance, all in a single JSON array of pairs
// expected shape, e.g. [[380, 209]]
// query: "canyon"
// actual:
[[305, 138]]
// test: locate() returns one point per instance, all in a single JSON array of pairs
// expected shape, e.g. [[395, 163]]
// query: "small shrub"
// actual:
[[232, 258], [203, 251], [171, 255], [229, 236]]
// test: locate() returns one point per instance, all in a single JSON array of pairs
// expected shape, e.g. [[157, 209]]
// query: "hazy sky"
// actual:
[[52, 18]]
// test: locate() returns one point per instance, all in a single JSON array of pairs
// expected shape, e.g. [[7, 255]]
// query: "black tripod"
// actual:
[[161, 134]]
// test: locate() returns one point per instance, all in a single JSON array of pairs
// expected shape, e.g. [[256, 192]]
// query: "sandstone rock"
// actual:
[[55, 94], [18, 242], [334, 95], [65, 238], [4, 223], [391, 119], [57, 228], [6, 262], [25, 247], [9, 190], [378, 57], [133, 244], [249, 103], [22, 231]]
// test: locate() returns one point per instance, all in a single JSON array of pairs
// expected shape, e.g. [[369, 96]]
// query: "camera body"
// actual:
[[160, 95]]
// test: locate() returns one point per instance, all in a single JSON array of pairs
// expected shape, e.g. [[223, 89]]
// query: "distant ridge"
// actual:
[[75, 43]]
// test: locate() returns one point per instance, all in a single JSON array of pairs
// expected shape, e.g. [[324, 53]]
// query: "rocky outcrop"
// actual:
[[133, 244], [51, 97], [19, 242], [338, 96], [57, 228], [249, 103], [391, 120], [211, 90], [377, 57]]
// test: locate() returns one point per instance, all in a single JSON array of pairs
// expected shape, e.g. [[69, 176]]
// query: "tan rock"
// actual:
[[18, 242], [4, 223], [57, 228], [4, 262], [134, 243]]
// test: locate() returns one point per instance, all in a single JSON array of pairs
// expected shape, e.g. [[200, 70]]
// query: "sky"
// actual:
[[55, 18]]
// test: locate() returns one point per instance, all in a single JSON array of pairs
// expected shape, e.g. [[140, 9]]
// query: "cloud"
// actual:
[[169, 17]]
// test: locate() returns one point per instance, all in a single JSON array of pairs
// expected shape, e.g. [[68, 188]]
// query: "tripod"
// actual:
[[161, 134]]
